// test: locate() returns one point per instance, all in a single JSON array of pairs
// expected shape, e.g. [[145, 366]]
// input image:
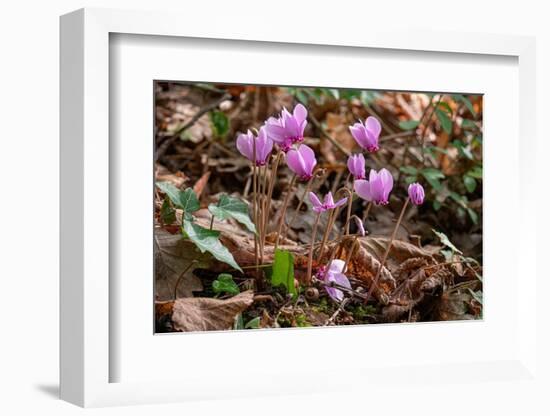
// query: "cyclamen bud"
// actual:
[[416, 193]]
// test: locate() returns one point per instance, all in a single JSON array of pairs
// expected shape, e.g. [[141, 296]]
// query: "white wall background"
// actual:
[[29, 175]]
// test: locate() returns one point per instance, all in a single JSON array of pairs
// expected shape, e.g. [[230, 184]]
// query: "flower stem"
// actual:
[[212, 221], [319, 173], [180, 278], [283, 211], [366, 213], [310, 259], [350, 254], [255, 202], [387, 252], [271, 185]]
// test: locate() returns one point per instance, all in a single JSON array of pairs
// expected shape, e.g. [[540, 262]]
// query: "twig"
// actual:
[[176, 134], [335, 314]]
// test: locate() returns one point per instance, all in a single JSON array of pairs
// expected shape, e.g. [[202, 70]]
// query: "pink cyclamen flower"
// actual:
[[328, 202], [356, 166], [302, 161], [264, 145], [416, 193], [288, 128], [334, 272], [366, 135], [377, 189]]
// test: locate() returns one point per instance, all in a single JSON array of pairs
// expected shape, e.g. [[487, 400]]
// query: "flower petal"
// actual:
[[300, 113], [308, 156], [296, 162], [362, 188], [315, 201], [336, 266], [373, 126], [244, 145], [341, 202]]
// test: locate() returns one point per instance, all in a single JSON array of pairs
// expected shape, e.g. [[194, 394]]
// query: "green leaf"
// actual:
[[409, 124], [470, 183], [433, 176], [444, 119], [239, 324], [437, 205], [225, 284], [229, 207], [220, 122], [473, 215], [409, 170], [283, 271], [186, 200], [446, 107], [446, 242], [468, 124], [253, 323], [167, 213], [476, 172], [208, 240], [463, 149], [466, 101]]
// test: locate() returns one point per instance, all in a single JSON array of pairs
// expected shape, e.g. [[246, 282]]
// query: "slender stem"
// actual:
[[328, 229], [350, 254], [255, 201], [270, 193], [180, 278], [310, 259], [366, 213], [212, 221], [387, 252], [283, 211], [319, 173], [348, 213]]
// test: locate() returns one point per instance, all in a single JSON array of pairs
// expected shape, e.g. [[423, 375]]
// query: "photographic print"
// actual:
[[296, 207]]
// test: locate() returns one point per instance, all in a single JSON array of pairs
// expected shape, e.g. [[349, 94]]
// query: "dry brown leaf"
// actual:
[[201, 183], [208, 314], [162, 174], [173, 254]]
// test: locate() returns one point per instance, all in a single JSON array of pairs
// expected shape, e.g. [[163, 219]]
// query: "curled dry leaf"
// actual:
[[173, 255], [201, 183], [208, 314]]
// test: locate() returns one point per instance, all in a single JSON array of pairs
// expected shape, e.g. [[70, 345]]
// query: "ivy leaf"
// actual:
[[220, 122], [470, 183], [409, 170], [208, 240], [466, 101], [446, 242], [189, 201], [433, 176], [476, 172], [283, 271], [409, 124], [186, 200], [167, 213], [229, 207], [253, 323], [225, 284], [444, 119]]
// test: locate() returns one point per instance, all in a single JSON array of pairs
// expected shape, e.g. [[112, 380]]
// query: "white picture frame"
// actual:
[[86, 306]]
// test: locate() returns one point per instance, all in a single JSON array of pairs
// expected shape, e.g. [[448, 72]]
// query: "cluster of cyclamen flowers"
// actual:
[[287, 133]]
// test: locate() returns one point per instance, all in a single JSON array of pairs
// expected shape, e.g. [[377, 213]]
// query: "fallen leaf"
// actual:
[[208, 314], [173, 254], [201, 183]]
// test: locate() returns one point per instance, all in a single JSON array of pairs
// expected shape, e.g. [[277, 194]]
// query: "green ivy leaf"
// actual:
[[444, 119], [220, 122], [466, 101], [409, 170], [253, 323], [470, 183], [446, 242], [229, 207], [167, 213], [409, 124], [283, 271], [225, 284], [186, 200], [476, 172], [433, 176], [208, 240]]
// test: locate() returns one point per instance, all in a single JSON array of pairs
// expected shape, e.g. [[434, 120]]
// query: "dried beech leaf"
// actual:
[[208, 314], [173, 254]]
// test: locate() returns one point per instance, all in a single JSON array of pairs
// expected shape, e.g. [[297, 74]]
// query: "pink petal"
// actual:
[[373, 126], [340, 202], [300, 113], [328, 201], [296, 162], [244, 145], [362, 188], [315, 201], [336, 266], [308, 156]]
